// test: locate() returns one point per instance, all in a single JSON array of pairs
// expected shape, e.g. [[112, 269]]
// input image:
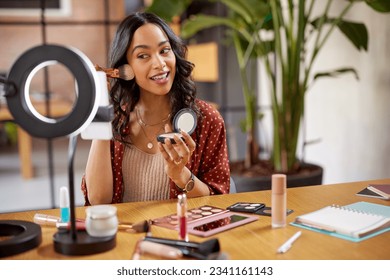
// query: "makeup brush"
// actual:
[[124, 72], [157, 249], [142, 226], [204, 250]]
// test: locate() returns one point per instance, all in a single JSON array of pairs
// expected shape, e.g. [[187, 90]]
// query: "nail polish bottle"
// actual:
[[279, 201]]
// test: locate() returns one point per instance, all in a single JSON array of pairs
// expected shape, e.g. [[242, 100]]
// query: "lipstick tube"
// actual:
[[182, 216], [67, 226], [48, 220], [43, 219]]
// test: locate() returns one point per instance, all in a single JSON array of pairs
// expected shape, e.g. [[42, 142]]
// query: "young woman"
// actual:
[[134, 166]]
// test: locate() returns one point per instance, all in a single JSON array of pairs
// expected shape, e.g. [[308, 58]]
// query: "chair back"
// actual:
[[233, 188]]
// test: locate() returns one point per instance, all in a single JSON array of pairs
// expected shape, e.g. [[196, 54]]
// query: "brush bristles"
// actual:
[[126, 72], [141, 226]]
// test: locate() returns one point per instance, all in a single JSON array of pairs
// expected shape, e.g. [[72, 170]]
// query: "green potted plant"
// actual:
[[299, 32]]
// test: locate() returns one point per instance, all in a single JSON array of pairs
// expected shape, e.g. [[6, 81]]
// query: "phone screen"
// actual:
[[220, 223]]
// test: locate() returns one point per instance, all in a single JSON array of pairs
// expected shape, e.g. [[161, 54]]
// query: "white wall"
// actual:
[[351, 117]]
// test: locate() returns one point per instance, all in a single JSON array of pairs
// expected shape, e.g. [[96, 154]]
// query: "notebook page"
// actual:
[[343, 221], [369, 207]]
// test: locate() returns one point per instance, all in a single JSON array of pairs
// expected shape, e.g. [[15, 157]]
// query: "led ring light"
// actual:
[[86, 104], [26, 234]]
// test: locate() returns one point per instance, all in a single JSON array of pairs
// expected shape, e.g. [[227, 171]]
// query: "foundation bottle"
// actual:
[[279, 201]]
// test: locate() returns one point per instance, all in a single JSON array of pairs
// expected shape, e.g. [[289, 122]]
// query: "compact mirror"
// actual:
[[184, 120]]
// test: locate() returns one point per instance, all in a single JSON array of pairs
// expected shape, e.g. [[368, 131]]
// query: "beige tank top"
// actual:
[[143, 176]]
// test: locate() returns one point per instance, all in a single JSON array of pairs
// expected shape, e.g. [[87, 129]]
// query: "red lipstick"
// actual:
[[182, 215]]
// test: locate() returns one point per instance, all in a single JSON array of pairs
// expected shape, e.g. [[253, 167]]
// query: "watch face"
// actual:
[[190, 185]]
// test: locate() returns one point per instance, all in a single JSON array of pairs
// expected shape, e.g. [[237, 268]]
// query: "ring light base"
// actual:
[[26, 236], [83, 244]]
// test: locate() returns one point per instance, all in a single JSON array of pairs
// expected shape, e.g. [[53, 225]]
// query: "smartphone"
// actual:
[[219, 223]]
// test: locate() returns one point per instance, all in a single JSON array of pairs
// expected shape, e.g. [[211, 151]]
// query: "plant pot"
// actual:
[[311, 175]]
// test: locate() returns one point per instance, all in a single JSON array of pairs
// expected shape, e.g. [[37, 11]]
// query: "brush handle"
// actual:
[[160, 250], [110, 72], [125, 226]]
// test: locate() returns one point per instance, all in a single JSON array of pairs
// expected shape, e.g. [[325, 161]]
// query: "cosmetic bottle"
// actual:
[[182, 216], [279, 201], [101, 220], [64, 205]]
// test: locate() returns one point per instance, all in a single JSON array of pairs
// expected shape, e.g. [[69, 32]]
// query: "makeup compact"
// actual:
[[184, 120]]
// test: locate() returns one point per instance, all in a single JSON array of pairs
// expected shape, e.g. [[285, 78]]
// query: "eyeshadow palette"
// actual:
[[257, 208], [206, 220], [247, 207], [193, 215]]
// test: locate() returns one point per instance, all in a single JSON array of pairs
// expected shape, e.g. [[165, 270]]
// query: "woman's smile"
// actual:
[[161, 78]]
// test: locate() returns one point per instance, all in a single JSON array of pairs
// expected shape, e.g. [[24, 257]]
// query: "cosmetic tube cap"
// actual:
[[64, 197], [181, 204], [278, 184], [181, 198]]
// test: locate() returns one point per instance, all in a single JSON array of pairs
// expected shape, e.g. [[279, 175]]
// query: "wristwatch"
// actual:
[[190, 184]]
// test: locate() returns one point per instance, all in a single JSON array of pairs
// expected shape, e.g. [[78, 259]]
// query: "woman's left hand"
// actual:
[[177, 155]]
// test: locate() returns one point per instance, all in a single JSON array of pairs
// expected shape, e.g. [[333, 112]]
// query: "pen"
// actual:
[[287, 245]]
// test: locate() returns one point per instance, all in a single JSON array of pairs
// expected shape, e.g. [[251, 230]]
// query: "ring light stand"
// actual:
[[89, 84]]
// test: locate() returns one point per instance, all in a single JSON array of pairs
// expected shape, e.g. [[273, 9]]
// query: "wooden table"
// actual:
[[58, 108], [253, 241]]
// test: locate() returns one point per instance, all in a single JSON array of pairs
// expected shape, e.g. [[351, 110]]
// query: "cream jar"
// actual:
[[101, 220]]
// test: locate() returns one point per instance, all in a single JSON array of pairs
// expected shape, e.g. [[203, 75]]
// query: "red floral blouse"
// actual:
[[209, 162]]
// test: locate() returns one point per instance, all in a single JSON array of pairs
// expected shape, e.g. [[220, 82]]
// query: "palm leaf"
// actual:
[[240, 7], [167, 9], [382, 6], [201, 22], [356, 32], [336, 73], [250, 10]]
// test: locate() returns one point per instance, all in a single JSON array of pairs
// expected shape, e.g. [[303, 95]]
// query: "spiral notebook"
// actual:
[[355, 222]]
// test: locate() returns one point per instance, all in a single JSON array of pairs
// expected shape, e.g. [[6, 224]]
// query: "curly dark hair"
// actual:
[[126, 94]]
